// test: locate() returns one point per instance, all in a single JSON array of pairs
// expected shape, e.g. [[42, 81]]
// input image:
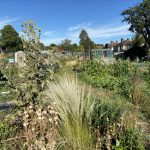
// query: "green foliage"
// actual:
[[6, 131], [123, 78], [10, 40], [9, 137], [113, 77], [28, 83], [107, 112], [86, 42], [138, 17], [66, 45], [131, 139], [138, 40]]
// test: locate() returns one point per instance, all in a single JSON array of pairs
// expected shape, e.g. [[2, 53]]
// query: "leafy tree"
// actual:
[[42, 47], [86, 42], [66, 45], [75, 47], [138, 40], [10, 40], [139, 19], [53, 45], [80, 48]]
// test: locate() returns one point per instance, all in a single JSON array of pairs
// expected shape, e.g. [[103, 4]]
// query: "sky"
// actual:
[[61, 19]]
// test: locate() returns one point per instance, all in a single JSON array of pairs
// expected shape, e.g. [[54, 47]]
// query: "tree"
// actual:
[[42, 47], [53, 45], [138, 40], [66, 45], [86, 42], [138, 17], [75, 47], [10, 40]]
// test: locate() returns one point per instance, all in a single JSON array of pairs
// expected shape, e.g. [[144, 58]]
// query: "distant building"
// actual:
[[119, 47], [122, 46], [102, 53]]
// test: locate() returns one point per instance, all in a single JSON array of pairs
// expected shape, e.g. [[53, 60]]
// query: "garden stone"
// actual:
[[20, 58]]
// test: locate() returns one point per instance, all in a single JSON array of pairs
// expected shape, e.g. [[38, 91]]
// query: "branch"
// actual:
[[11, 139]]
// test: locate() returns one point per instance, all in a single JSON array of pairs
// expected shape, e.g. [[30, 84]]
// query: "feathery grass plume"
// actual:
[[74, 107]]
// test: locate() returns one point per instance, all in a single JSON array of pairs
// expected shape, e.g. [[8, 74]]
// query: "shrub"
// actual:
[[114, 77], [131, 139], [107, 112], [10, 137]]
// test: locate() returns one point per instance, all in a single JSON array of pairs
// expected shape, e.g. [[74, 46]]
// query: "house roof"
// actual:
[[125, 43]]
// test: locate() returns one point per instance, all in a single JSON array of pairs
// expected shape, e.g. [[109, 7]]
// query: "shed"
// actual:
[[102, 53]]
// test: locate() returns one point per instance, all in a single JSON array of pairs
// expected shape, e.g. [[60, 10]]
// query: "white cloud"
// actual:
[[6, 21], [80, 26], [104, 32], [48, 41], [47, 33], [96, 33]]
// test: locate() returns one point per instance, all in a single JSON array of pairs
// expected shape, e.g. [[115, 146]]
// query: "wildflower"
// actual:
[[33, 129], [43, 118], [44, 112], [30, 111], [39, 114], [50, 119], [51, 111], [39, 118], [25, 124], [49, 107], [39, 110], [55, 118], [107, 119], [56, 123], [54, 103], [25, 112], [26, 115], [30, 107]]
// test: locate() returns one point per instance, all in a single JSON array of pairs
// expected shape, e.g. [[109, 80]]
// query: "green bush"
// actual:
[[131, 139], [114, 77], [9, 138]]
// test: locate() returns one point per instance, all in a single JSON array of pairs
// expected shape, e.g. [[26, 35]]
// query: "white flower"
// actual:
[[30, 107], [50, 119], [44, 112], [25, 124], [33, 129], [55, 118]]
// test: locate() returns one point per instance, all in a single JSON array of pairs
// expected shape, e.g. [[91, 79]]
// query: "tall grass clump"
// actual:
[[74, 107]]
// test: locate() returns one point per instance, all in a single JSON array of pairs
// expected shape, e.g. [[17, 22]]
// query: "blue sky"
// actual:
[[60, 19]]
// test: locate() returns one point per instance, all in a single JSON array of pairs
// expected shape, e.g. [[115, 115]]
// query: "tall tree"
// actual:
[[138, 17], [9, 39], [86, 42]]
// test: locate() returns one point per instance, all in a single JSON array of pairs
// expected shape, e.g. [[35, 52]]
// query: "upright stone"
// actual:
[[20, 58]]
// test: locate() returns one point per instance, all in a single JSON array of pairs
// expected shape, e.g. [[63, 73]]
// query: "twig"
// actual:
[[12, 139]]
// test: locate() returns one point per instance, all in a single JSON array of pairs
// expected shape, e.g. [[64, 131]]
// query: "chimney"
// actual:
[[111, 42], [122, 40]]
